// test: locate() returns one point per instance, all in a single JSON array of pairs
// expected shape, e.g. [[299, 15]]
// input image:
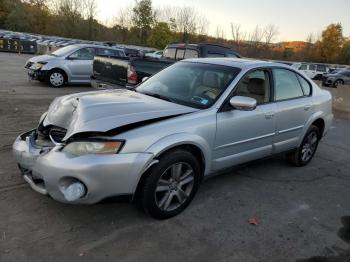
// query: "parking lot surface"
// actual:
[[299, 211]]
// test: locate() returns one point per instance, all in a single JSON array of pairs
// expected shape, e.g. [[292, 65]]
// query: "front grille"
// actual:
[[57, 134]]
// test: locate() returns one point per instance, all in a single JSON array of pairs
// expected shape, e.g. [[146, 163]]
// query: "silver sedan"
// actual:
[[70, 64], [158, 141]]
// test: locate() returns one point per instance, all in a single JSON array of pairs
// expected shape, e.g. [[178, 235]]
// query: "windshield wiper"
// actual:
[[159, 96]]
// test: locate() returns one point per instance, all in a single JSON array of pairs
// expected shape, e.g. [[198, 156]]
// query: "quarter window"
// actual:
[[287, 85], [305, 86], [256, 85]]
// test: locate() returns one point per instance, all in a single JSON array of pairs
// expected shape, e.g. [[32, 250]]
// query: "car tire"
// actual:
[[171, 185], [304, 154], [338, 82], [56, 78]]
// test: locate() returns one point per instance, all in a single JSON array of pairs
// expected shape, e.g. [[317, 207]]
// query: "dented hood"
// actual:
[[102, 111]]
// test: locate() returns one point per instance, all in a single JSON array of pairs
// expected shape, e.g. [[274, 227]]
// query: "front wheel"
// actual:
[[56, 78], [171, 184], [304, 154]]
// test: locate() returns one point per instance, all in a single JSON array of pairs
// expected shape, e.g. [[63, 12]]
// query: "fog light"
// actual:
[[74, 191]]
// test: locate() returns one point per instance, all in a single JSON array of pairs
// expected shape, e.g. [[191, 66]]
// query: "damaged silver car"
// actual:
[[157, 142]]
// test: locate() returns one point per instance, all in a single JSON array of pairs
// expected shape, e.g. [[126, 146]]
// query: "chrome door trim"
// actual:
[[246, 140], [290, 129]]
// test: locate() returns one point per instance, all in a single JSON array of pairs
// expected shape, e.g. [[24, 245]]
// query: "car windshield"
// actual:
[[197, 85], [64, 50]]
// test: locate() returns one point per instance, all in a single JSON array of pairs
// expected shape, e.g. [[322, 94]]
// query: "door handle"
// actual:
[[269, 115], [307, 107]]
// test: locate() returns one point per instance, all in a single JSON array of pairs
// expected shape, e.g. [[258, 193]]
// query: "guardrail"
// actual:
[[18, 46]]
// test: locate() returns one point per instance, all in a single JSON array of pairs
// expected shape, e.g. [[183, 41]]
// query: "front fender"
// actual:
[[179, 139]]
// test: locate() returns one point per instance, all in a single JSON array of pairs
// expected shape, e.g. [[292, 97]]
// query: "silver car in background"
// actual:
[[70, 64], [157, 142]]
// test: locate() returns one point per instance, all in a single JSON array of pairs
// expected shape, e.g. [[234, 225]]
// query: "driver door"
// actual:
[[243, 136], [80, 64]]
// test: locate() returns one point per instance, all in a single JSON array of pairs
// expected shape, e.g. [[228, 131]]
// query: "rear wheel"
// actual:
[[304, 154], [171, 184], [56, 78]]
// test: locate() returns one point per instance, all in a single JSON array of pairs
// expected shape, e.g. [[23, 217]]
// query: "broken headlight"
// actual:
[[93, 147]]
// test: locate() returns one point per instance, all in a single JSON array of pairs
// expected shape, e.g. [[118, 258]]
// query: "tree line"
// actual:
[[143, 24]]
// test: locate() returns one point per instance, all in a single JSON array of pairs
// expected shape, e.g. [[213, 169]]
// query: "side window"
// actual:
[[169, 53], [321, 68], [231, 55], [104, 52], [190, 53], [312, 67], [210, 54], [287, 85], [255, 84], [83, 54], [180, 54], [303, 67], [305, 86]]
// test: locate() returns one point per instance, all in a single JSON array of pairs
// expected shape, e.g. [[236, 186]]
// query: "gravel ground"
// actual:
[[301, 212]]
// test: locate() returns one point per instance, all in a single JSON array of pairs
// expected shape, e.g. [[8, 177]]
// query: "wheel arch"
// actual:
[[173, 142], [316, 119]]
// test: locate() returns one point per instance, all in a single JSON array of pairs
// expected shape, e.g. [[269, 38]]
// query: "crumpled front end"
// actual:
[[85, 179]]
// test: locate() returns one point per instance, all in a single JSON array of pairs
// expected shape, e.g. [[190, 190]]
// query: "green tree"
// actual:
[[331, 43], [160, 36], [344, 56], [143, 18]]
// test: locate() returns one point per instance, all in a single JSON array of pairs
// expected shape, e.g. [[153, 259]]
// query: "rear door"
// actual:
[[292, 94], [79, 64]]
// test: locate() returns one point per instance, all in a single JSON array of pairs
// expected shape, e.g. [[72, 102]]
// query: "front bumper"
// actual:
[[37, 74], [50, 171]]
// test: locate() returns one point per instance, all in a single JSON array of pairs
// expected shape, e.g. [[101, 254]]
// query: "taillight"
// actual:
[[132, 75]]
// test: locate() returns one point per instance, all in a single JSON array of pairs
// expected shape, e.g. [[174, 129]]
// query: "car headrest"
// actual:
[[256, 86], [211, 79]]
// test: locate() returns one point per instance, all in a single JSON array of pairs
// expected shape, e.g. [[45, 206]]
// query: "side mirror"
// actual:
[[144, 78], [243, 103]]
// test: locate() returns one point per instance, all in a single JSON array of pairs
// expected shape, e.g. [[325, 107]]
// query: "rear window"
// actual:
[[180, 54], [170, 53], [190, 53]]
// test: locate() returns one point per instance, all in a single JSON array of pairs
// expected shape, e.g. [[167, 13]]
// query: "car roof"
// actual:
[[237, 62], [95, 45]]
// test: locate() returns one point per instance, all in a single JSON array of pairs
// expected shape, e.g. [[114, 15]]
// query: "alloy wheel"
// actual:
[[309, 146], [174, 186]]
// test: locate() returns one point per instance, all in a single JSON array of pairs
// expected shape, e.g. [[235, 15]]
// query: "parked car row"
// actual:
[[322, 71], [120, 71]]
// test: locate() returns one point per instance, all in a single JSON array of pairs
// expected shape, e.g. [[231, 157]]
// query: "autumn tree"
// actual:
[[160, 36], [143, 18], [331, 43], [344, 57]]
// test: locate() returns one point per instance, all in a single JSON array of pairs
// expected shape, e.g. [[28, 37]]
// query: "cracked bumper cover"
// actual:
[[103, 175]]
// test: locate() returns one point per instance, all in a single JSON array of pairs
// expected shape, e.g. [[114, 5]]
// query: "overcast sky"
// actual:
[[294, 18]]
